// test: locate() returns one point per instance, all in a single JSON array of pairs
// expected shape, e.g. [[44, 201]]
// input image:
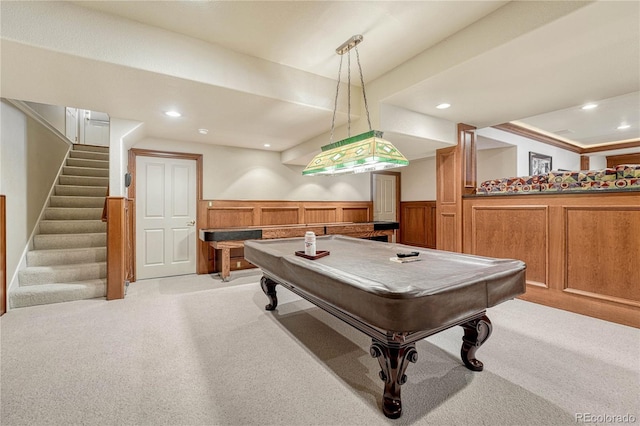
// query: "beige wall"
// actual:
[[419, 180], [30, 159], [561, 158], [419, 177], [496, 163], [248, 174], [55, 115]]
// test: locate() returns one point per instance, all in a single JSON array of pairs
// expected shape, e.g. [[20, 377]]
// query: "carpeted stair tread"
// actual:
[[52, 257], [85, 171], [61, 241], [72, 226], [89, 155], [91, 148], [36, 275], [76, 213], [75, 201], [83, 180], [57, 292], [85, 162], [81, 190]]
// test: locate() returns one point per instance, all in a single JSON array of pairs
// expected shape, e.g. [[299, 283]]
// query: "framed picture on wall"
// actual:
[[539, 163]]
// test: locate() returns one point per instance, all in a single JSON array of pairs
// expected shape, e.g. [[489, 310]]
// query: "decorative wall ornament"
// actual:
[[539, 164]]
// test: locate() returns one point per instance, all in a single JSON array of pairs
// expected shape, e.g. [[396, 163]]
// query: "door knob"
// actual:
[[193, 222]]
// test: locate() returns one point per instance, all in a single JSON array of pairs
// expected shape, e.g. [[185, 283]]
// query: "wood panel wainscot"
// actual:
[[221, 214], [582, 250], [418, 223]]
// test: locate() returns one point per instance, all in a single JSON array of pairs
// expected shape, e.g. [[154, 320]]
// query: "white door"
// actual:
[[94, 127], [384, 200], [165, 217]]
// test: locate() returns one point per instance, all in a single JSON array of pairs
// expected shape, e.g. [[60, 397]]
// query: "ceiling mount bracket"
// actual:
[[349, 44]]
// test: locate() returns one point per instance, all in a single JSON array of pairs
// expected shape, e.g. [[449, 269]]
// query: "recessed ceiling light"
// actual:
[[443, 106], [624, 126], [203, 131], [173, 114], [590, 106], [267, 145]]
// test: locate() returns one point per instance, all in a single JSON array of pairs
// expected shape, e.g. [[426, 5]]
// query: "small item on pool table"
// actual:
[[410, 254], [319, 254], [310, 243]]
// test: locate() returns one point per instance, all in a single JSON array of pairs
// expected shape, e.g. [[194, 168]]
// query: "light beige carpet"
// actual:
[[193, 350]]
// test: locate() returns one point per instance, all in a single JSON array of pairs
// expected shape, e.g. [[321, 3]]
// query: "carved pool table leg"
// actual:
[[476, 332], [269, 288], [393, 363]]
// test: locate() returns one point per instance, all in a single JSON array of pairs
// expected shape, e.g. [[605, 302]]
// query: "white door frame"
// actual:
[[131, 192]]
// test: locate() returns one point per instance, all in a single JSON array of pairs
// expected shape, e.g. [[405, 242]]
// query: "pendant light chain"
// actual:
[[364, 94], [349, 94], [335, 103]]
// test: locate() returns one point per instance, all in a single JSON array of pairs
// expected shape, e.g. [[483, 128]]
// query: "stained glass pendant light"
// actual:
[[357, 154]]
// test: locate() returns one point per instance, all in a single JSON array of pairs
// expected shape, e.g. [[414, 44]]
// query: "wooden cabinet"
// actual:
[[615, 160], [418, 223]]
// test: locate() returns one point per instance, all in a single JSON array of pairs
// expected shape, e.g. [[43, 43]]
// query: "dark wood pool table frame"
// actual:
[[394, 350]]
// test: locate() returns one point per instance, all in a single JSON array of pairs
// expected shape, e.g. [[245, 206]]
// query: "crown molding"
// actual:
[[619, 145], [536, 136], [550, 140]]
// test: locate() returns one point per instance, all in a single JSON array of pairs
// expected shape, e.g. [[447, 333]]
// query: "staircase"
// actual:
[[68, 260]]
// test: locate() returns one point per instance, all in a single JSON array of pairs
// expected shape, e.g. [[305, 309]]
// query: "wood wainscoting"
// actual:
[[418, 223], [214, 214], [581, 250]]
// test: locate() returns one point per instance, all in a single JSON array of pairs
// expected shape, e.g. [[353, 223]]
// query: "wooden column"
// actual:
[[3, 255], [116, 247], [584, 162], [455, 177]]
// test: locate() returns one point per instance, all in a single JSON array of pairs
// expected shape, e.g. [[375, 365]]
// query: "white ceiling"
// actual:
[[494, 61], [304, 35], [592, 126]]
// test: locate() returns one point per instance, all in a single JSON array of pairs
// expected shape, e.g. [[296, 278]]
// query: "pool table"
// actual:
[[394, 303]]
